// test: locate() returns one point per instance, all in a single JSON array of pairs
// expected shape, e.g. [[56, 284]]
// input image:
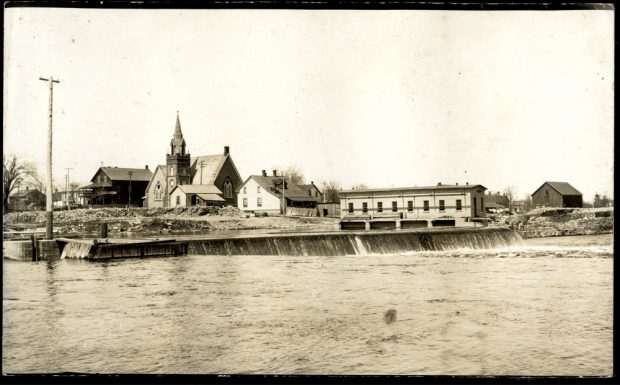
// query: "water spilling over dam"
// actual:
[[356, 243]]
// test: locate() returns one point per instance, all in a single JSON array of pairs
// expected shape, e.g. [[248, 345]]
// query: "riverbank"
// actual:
[[553, 222], [156, 221]]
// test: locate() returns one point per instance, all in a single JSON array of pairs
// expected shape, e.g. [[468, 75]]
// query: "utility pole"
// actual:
[[283, 198], [67, 186], [49, 209], [130, 173]]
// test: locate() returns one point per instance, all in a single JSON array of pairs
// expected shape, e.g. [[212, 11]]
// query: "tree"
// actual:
[[294, 174], [602, 200], [359, 186], [529, 205], [331, 191], [510, 193], [14, 172]]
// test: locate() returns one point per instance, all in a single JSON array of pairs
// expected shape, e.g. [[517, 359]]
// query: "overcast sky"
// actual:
[[384, 98]]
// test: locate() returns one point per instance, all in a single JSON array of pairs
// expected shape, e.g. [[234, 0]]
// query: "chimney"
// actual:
[[226, 150], [466, 183], [312, 182], [264, 173], [275, 173], [146, 166], [439, 184], [457, 183]]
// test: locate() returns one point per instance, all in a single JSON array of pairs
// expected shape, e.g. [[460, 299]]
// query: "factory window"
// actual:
[[379, 207], [394, 206], [259, 202], [442, 205], [409, 205], [350, 208], [364, 207], [245, 190], [257, 189], [245, 202], [458, 205], [426, 206]]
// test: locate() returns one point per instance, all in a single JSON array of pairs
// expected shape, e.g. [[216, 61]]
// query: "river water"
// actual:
[[541, 308]]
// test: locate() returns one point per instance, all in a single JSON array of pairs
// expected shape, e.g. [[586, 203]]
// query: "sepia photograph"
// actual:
[[424, 191]]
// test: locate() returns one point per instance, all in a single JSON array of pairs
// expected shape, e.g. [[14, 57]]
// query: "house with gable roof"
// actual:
[[274, 194], [197, 181], [557, 194], [116, 186]]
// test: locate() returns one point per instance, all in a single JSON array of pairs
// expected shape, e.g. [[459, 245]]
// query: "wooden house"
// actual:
[[274, 194], [28, 199], [117, 186], [312, 190], [557, 194]]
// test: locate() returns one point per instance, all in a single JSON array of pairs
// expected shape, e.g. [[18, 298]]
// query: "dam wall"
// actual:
[[356, 243]]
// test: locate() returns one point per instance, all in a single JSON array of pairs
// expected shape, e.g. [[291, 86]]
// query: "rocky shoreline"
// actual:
[[547, 222], [553, 222]]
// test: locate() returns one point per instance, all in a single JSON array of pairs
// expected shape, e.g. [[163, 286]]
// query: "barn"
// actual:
[[557, 194]]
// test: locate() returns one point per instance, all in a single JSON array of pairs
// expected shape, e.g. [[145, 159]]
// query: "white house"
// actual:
[[441, 205], [263, 194]]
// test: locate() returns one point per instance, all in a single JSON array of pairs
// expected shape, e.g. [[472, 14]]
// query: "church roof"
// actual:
[[198, 189], [177, 137], [211, 165]]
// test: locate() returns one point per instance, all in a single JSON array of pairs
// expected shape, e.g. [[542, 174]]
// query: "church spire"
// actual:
[[177, 144]]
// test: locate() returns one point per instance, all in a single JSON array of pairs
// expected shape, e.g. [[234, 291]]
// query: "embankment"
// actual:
[[552, 222]]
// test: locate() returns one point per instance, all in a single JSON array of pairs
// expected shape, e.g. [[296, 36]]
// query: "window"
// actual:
[[245, 202], [364, 207], [409, 205], [426, 206], [458, 205], [350, 208], [546, 197], [379, 207], [245, 190], [158, 192], [228, 189], [442, 205], [481, 204], [178, 199], [258, 189], [394, 206], [259, 202]]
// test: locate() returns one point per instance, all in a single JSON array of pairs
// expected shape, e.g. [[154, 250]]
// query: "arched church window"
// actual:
[[158, 191], [228, 189]]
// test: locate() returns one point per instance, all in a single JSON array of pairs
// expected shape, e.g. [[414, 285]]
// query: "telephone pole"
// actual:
[[67, 187], [130, 173], [49, 209]]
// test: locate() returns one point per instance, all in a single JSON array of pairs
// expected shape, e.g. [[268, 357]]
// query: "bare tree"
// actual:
[[331, 191], [510, 193], [14, 172], [359, 186], [294, 173]]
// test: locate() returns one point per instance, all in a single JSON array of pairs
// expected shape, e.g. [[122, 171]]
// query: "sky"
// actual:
[[382, 98]]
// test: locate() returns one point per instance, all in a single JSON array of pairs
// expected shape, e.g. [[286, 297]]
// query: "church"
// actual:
[[185, 181]]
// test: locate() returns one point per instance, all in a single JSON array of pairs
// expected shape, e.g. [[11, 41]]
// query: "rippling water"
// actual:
[[542, 308]]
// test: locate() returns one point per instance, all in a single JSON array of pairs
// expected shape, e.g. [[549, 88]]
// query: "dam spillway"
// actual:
[[356, 243]]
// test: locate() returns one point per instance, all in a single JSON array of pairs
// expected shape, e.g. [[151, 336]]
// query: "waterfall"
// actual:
[[357, 243], [75, 250]]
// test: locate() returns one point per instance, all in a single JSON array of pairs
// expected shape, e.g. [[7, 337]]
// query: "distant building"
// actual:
[[557, 194], [116, 186], [499, 198], [264, 194], [518, 207], [312, 190], [28, 199], [216, 174], [441, 205]]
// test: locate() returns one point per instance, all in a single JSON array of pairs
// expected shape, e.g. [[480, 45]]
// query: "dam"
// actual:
[[337, 243]]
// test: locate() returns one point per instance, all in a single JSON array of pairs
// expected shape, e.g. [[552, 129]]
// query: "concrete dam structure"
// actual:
[[356, 243]]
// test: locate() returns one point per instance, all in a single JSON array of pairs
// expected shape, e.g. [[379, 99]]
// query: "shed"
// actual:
[[557, 194]]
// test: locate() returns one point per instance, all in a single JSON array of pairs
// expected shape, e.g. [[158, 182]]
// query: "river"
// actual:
[[544, 307]]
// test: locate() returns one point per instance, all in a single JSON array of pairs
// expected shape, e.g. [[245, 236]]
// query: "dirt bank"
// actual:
[[551, 222], [144, 220]]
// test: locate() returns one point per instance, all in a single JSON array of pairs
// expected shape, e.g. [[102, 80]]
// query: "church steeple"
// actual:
[[177, 144]]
